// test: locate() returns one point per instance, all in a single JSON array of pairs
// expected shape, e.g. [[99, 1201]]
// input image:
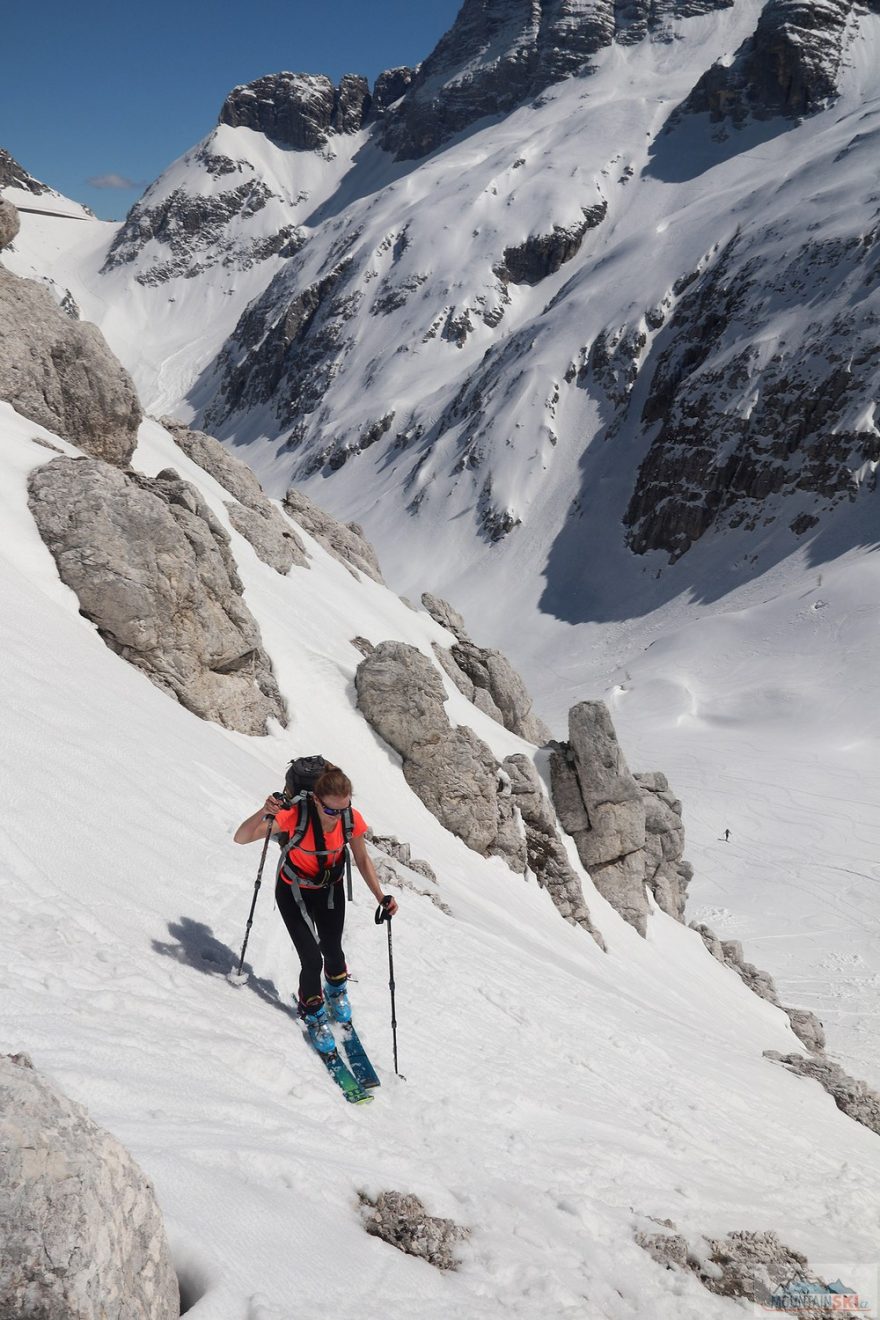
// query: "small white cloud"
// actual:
[[112, 181]]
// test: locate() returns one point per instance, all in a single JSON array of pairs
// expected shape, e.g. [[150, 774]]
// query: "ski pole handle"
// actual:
[[382, 913]]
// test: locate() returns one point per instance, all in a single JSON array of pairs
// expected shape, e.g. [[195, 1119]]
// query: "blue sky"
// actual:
[[94, 90]]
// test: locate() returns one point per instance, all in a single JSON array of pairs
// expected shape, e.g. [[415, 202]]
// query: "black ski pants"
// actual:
[[324, 951]]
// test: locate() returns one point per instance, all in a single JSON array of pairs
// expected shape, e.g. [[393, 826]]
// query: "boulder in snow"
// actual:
[[82, 1235]]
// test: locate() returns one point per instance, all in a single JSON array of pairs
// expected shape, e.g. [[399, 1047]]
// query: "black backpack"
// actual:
[[299, 782]]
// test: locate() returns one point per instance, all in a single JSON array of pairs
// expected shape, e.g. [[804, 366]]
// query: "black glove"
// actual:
[[382, 913]]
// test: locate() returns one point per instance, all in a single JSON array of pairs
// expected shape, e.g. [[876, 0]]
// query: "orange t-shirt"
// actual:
[[303, 855]]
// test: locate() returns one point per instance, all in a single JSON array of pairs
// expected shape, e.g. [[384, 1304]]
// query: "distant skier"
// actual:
[[310, 893], [727, 836]]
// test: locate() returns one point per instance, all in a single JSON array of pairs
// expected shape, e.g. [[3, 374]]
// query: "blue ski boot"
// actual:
[[318, 1027], [337, 1000]]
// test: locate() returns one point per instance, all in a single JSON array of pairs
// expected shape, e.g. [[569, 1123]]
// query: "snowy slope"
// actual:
[[554, 1096]]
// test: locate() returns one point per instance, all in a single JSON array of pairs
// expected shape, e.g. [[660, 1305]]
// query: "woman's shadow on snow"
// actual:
[[196, 945]]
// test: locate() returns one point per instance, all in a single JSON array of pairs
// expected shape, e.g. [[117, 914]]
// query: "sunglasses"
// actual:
[[332, 811]]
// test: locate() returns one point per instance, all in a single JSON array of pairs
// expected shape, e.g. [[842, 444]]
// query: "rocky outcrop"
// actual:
[[344, 541], [61, 374], [667, 874], [853, 1098], [402, 1221], [748, 419], [444, 614], [545, 851], [253, 515], [390, 87], [288, 337], [627, 830], [790, 66], [542, 255], [9, 223], [81, 1230], [752, 1267], [13, 175], [191, 233], [451, 770], [485, 676], [805, 1025], [299, 110], [499, 53], [152, 569]]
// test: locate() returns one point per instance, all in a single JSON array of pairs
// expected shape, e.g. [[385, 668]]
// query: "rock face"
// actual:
[[13, 175], [545, 852], [253, 515], [498, 53], [751, 1267], [742, 427], [283, 349], [192, 233], [403, 1221], [544, 254], [789, 66], [299, 110], [82, 1234], [486, 677], [344, 541], [805, 1025], [61, 373], [628, 833], [450, 769], [153, 570], [9, 223], [853, 1098]]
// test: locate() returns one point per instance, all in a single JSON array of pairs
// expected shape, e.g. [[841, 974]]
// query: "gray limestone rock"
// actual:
[[715, 463], [805, 1025], [544, 850], [503, 691], [622, 883], [456, 776], [9, 223], [451, 770], [789, 66], [854, 1098], [402, 1221], [500, 53], [345, 541], [444, 614], [753, 1268], [627, 828], [270, 534], [390, 87], [61, 374], [82, 1233], [458, 676], [402, 695], [13, 175], [299, 110], [152, 569], [254, 516], [189, 233], [232, 474], [542, 255]]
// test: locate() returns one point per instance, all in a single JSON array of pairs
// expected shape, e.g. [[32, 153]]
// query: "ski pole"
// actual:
[[237, 978], [382, 914]]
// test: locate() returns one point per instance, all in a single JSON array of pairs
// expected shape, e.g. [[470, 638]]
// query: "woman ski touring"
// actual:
[[315, 831]]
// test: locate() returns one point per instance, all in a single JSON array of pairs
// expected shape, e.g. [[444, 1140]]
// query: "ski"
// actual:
[[364, 1072], [349, 1085]]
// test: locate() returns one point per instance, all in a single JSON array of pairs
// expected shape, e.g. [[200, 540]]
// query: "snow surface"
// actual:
[[555, 1096]]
